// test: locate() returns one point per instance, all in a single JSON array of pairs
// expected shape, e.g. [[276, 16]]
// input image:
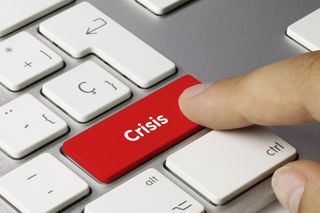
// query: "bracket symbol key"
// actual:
[[111, 84]]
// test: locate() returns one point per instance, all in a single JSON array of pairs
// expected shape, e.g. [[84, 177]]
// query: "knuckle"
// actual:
[[310, 61], [308, 67], [309, 87]]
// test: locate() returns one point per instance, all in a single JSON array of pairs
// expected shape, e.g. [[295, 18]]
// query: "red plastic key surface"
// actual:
[[133, 135]]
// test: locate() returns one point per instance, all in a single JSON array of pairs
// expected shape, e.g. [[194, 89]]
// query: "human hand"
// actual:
[[283, 93]]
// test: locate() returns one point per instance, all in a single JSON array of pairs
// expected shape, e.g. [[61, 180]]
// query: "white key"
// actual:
[[224, 164], [16, 13], [306, 31], [161, 7], [24, 60], [26, 124], [148, 192], [83, 29], [86, 91], [42, 185]]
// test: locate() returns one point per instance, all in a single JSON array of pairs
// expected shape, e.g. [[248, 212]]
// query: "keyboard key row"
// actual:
[[45, 179], [223, 165], [22, 13], [83, 29]]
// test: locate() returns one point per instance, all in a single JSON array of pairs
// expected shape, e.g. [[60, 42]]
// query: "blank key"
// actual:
[[221, 165], [161, 7], [306, 31], [83, 29]]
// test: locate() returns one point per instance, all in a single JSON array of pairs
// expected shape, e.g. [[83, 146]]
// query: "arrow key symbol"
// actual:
[[93, 31]]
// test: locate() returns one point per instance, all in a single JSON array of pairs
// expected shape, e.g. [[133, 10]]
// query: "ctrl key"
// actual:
[[148, 192], [226, 163]]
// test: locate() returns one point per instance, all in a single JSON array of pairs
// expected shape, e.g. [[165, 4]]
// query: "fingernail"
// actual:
[[288, 186], [194, 90]]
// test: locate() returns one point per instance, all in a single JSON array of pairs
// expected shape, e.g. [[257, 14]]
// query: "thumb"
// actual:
[[297, 186]]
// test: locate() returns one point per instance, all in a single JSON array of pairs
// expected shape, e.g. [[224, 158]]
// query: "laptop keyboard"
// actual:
[[103, 153]]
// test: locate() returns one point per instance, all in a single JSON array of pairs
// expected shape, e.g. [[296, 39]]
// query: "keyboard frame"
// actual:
[[214, 55]]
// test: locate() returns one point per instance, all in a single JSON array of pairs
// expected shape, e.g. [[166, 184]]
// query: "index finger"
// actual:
[[283, 93]]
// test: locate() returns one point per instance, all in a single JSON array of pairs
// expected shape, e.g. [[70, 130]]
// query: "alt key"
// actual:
[[148, 192]]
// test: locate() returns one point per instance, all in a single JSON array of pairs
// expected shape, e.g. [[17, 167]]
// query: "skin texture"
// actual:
[[283, 93]]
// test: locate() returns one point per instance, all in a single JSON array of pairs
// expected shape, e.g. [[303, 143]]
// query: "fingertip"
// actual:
[[213, 105], [187, 103], [194, 90]]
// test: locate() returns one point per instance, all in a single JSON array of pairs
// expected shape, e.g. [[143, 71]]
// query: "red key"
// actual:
[[133, 135]]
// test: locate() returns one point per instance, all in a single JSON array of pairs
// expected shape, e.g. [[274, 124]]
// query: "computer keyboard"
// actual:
[[93, 123]]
